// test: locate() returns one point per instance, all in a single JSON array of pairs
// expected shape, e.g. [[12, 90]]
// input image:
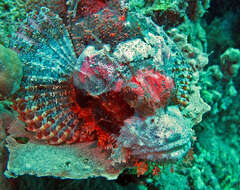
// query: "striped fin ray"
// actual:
[[44, 108], [46, 97], [36, 91], [75, 132], [40, 101], [47, 112], [59, 121], [43, 93], [46, 119], [64, 129], [45, 48]]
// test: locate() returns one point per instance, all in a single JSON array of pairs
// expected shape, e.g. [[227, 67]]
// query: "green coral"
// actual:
[[218, 134], [162, 5], [10, 71], [10, 13], [230, 61], [149, 6]]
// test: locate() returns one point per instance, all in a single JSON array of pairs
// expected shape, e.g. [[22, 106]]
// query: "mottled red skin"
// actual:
[[108, 112], [88, 7], [110, 109], [153, 91]]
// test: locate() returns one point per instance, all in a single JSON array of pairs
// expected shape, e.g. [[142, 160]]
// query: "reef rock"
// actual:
[[78, 161], [10, 71]]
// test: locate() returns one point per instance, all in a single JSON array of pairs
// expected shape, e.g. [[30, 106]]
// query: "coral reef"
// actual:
[[10, 71], [184, 16], [221, 126], [11, 12], [228, 24], [230, 63], [119, 81], [169, 13], [192, 30]]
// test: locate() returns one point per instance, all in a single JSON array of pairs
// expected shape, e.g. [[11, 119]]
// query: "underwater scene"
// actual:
[[120, 94]]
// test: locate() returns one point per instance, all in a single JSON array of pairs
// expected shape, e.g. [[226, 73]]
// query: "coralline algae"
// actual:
[[124, 100]]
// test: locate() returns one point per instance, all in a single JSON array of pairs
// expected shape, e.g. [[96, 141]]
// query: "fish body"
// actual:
[[71, 96]]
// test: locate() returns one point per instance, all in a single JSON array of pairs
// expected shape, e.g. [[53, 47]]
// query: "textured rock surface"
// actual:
[[72, 162], [6, 117], [10, 71]]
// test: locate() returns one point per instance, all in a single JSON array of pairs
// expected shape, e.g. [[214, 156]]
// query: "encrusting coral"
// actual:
[[100, 88], [10, 71], [11, 13]]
